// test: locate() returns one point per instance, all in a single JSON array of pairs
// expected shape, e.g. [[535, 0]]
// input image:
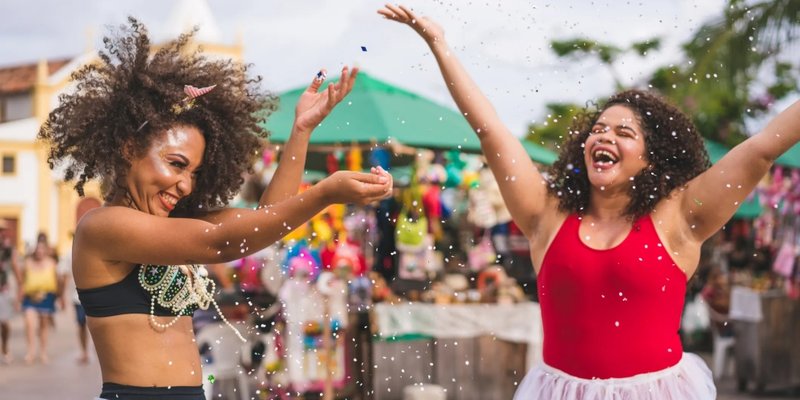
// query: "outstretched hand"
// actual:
[[429, 30], [313, 105], [358, 187]]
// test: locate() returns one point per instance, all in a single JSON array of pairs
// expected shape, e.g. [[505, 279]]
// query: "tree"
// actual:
[[723, 82], [735, 67], [552, 131]]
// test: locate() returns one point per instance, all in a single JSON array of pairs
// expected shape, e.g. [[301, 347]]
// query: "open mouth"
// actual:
[[169, 201], [602, 158]]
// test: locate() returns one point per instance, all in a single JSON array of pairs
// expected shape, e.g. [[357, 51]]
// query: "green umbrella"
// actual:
[[750, 208], [791, 158], [715, 150], [539, 153], [378, 112]]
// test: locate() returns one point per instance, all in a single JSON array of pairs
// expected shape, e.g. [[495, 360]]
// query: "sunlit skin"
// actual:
[[166, 173], [134, 228], [617, 132], [163, 174]]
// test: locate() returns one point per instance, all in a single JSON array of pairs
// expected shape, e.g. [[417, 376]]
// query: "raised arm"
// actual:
[[141, 238], [520, 182], [712, 197], [312, 107]]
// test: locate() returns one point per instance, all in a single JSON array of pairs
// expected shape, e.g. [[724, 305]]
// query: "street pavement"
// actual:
[[64, 378]]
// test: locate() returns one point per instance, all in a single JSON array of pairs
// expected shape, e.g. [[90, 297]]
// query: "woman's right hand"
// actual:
[[357, 187], [429, 30]]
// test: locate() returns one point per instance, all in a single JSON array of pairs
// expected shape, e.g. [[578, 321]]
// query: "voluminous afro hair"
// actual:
[[674, 149], [120, 103]]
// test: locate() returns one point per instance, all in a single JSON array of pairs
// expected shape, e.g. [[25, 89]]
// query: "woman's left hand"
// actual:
[[313, 106]]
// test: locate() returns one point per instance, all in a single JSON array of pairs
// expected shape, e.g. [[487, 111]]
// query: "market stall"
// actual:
[[426, 286], [456, 346], [766, 326]]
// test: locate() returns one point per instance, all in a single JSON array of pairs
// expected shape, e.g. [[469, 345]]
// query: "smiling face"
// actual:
[[166, 171], [615, 150]]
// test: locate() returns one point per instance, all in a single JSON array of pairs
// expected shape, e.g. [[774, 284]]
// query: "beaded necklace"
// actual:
[[181, 289]]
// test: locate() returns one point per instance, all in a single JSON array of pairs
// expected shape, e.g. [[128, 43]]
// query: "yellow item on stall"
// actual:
[[336, 211], [322, 231], [354, 159]]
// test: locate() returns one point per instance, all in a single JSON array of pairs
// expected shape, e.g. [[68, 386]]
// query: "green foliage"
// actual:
[[553, 130], [581, 47], [644, 47], [722, 81]]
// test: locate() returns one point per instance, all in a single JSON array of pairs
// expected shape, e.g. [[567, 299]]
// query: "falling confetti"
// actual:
[[698, 202], [363, 48], [211, 378]]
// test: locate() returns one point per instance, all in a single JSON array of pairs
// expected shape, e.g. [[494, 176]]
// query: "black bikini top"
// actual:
[[129, 295]]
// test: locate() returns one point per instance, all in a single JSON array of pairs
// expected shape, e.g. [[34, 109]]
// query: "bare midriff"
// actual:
[[131, 352]]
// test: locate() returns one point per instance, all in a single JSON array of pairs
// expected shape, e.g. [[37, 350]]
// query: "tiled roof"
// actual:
[[21, 78]]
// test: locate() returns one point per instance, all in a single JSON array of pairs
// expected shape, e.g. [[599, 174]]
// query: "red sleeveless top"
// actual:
[[610, 313]]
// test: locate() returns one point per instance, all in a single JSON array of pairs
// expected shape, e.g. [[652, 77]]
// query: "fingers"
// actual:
[[395, 13], [317, 81], [331, 96], [376, 192], [348, 80], [338, 91], [388, 14], [409, 14]]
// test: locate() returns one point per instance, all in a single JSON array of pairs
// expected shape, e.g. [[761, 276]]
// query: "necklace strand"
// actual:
[[195, 290]]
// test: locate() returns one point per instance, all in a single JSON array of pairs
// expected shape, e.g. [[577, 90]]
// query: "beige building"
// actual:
[[33, 198]]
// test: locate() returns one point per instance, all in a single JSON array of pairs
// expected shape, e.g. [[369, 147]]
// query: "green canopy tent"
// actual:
[[715, 150], [376, 112], [791, 158]]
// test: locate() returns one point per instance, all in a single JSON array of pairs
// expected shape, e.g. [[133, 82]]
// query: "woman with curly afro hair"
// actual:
[[615, 229], [170, 134]]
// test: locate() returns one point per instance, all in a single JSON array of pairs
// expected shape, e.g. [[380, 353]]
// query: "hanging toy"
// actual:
[[354, 159]]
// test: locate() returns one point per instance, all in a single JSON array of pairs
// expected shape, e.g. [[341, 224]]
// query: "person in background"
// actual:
[[40, 290], [8, 300]]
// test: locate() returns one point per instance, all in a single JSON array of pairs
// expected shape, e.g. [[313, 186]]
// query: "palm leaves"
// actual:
[[727, 76]]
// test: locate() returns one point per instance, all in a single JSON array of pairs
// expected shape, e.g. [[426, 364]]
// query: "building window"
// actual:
[[9, 164], [16, 106]]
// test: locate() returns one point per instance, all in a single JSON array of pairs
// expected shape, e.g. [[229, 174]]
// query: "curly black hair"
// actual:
[[674, 149], [122, 102]]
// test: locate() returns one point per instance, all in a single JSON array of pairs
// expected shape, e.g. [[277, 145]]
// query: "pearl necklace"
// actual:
[[180, 289]]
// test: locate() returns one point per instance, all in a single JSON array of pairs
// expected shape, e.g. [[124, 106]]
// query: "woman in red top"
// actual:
[[615, 229]]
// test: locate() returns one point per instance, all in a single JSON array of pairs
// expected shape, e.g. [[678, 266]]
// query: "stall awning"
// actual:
[[377, 112]]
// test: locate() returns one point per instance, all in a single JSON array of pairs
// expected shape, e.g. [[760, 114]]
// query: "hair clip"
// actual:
[[191, 94]]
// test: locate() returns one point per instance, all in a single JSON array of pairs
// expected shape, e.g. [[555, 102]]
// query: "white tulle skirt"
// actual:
[[689, 379]]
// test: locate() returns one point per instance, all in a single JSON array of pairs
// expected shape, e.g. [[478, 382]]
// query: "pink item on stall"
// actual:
[[784, 261]]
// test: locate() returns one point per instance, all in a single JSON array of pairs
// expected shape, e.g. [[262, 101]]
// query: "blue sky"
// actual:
[[504, 44]]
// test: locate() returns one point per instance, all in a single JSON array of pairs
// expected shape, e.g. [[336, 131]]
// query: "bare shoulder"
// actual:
[[89, 266], [96, 222]]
